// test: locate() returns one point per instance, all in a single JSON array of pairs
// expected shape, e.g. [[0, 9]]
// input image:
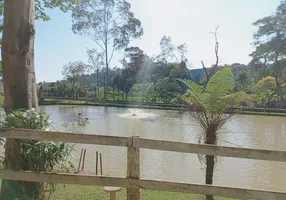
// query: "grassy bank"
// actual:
[[111, 104], [248, 111], [78, 192]]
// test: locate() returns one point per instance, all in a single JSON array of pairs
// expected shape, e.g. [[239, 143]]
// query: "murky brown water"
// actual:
[[243, 130]]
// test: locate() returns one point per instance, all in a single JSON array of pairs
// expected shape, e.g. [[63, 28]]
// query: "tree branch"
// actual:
[[206, 71], [111, 56], [174, 54], [216, 45], [216, 50], [96, 42]]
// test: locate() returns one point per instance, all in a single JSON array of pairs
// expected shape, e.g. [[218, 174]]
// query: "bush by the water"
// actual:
[[40, 156]]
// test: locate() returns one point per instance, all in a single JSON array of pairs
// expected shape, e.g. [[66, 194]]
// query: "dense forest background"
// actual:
[[144, 78]]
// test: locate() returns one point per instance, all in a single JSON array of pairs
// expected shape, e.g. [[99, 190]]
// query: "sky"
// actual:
[[185, 21]]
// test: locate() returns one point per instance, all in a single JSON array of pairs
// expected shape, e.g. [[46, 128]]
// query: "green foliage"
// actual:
[[220, 84], [65, 89], [270, 41], [169, 51], [266, 99], [132, 63], [35, 156], [244, 81], [265, 84], [63, 5], [1, 73], [167, 89], [214, 100], [180, 71], [217, 96], [78, 124], [40, 156], [1, 98], [143, 91], [95, 58], [109, 23], [29, 119], [195, 91], [265, 92], [73, 72], [40, 5]]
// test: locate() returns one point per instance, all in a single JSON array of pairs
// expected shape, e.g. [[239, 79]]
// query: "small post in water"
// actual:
[[83, 159], [79, 163], [96, 163], [100, 157]]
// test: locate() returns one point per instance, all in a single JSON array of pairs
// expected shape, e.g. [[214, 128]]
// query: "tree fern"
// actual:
[[221, 83], [195, 90], [234, 99], [217, 96], [215, 100]]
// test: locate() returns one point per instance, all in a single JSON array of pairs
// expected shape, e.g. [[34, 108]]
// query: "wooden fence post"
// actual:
[[133, 170]]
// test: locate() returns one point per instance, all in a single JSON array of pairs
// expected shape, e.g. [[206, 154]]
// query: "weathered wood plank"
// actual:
[[133, 171], [144, 184], [235, 152], [212, 190], [65, 178], [247, 153], [66, 137]]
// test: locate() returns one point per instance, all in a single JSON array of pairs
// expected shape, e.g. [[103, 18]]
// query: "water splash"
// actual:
[[133, 111], [136, 113]]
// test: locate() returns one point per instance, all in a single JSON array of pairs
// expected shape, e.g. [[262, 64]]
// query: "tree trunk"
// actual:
[[278, 84], [279, 92], [18, 55], [209, 173], [104, 88], [107, 69], [210, 161], [277, 74], [18, 74], [73, 91], [97, 84]]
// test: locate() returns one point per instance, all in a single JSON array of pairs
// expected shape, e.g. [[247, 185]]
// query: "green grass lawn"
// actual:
[[78, 192], [83, 192]]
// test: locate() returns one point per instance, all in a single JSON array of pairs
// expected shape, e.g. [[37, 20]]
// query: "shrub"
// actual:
[[41, 156]]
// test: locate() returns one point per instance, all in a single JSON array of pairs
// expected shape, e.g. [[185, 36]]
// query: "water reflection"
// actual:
[[243, 130]]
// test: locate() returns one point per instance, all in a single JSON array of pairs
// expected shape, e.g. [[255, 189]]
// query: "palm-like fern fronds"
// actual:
[[195, 90], [221, 83], [234, 99], [217, 97]]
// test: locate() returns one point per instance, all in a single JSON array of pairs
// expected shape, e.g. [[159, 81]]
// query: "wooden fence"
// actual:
[[133, 182]]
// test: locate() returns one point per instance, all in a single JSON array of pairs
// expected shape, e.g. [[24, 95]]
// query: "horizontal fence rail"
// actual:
[[133, 182], [66, 137], [144, 184], [247, 153]]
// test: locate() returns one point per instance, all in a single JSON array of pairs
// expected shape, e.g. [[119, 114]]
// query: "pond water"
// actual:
[[265, 132]]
